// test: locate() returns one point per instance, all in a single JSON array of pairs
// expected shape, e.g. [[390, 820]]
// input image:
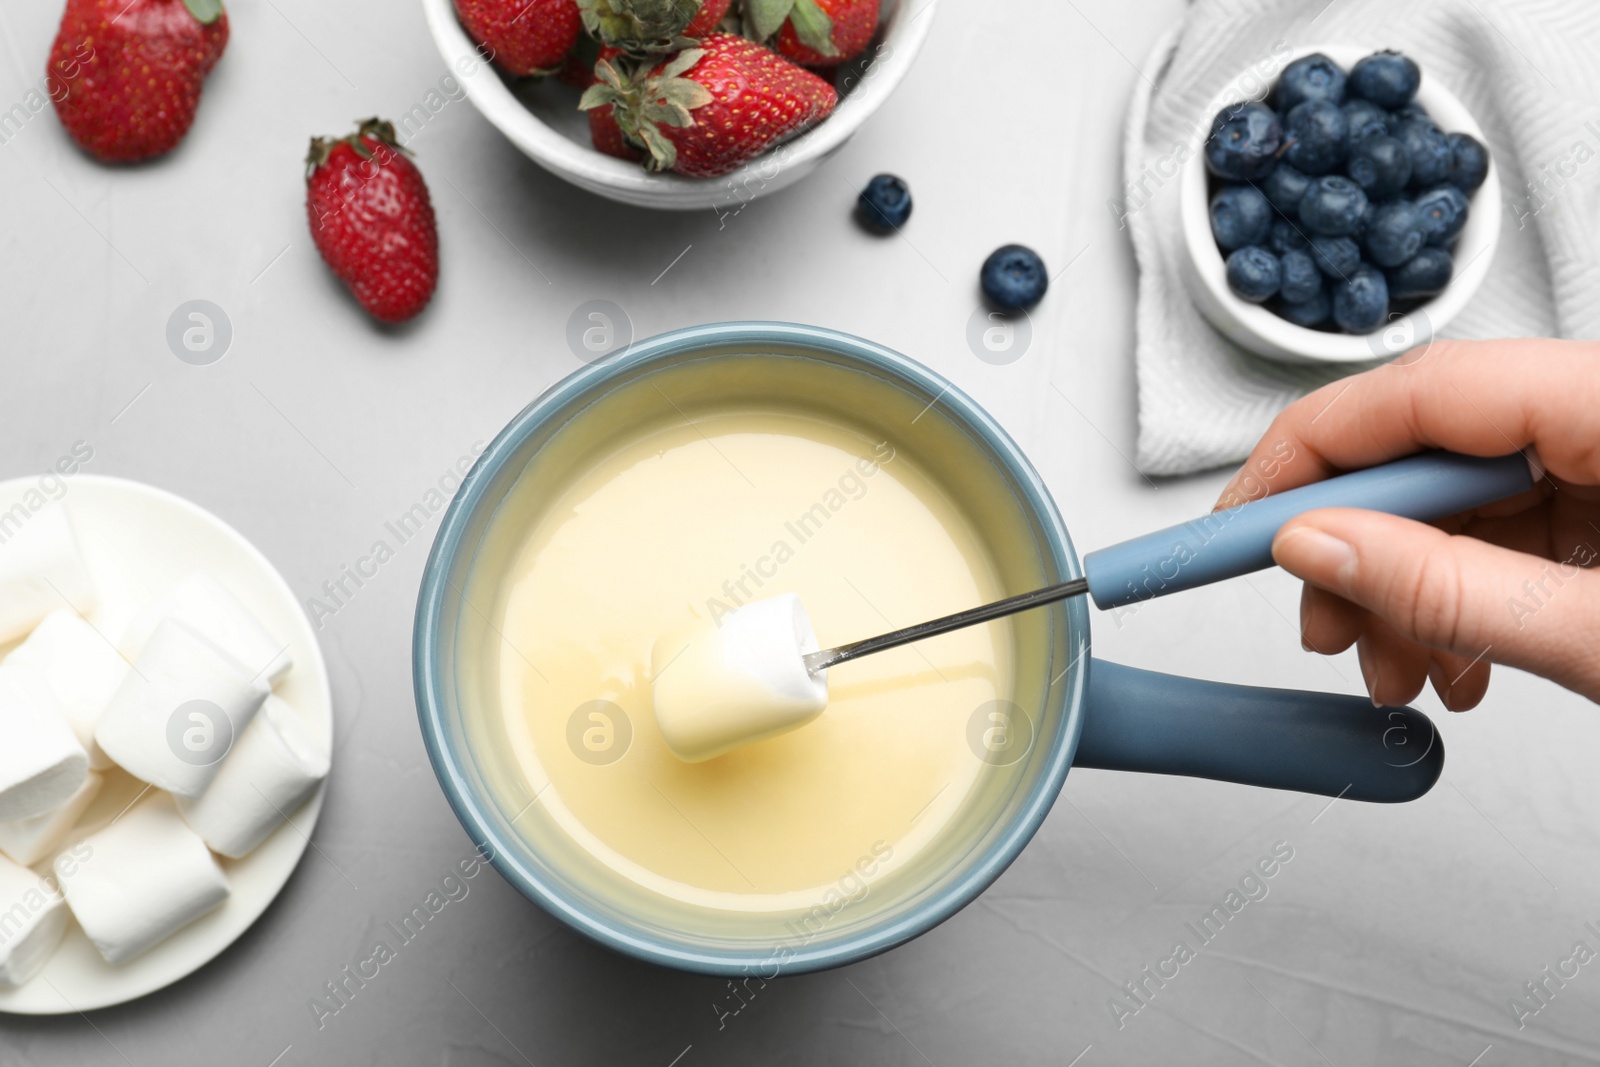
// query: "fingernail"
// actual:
[[1319, 557], [1369, 672], [1305, 623], [1225, 499], [1440, 684]]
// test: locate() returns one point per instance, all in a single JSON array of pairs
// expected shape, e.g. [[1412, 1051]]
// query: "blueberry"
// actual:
[[1363, 119], [1253, 273], [1469, 161], [1333, 206], [1307, 313], [1388, 79], [1240, 215], [1313, 77], [1014, 277], [1315, 133], [1407, 112], [1337, 257], [884, 204], [1444, 213], [1380, 165], [1430, 151], [1364, 220], [1286, 237], [1424, 274], [1284, 187], [1397, 233], [1300, 279], [1244, 142], [1361, 304]]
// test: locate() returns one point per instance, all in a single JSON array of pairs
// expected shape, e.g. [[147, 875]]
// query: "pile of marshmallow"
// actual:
[[184, 704]]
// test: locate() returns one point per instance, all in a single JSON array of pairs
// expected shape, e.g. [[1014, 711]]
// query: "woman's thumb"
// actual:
[[1456, 593]]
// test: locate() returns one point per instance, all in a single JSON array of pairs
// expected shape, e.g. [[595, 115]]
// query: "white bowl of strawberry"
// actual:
[[679, 104]]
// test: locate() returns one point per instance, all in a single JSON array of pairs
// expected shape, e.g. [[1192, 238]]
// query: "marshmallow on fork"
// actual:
[[141, 879], [32, 919], [41, 763], [81, 668], [207, 608], [716, 687], [179, 710], [275, 766], [40, 570], [30, 840]]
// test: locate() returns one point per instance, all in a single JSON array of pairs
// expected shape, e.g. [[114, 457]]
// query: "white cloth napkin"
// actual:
[[1528, 70]]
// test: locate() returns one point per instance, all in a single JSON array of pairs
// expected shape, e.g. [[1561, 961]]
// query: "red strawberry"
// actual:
[[372, 220], [651, 25], [823, 33], [578, 69], [706, 19], [707, 109], [603, 128], [133, 72], [525, 36], [607, 135]]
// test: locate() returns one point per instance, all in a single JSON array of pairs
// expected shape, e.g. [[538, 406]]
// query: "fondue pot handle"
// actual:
[[1337, 746], [1235, 541]]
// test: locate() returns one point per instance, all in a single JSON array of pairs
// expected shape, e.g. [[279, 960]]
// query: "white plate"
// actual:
[[138, 542]]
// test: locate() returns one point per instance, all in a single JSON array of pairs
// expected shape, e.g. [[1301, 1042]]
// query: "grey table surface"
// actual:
[[1395, 935]]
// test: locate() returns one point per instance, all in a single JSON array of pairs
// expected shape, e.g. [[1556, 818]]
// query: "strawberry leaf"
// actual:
[[682, 62], [657, 112], [205, 11], [663, 153], [766, 16], [598, 95], [685, 93], [639, 26], [813, 26], [607, 74]]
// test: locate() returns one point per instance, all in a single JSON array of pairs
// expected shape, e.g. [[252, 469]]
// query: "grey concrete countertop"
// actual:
[[1394, 936]]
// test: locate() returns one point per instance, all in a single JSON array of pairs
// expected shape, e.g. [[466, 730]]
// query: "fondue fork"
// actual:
[[1234, 541]]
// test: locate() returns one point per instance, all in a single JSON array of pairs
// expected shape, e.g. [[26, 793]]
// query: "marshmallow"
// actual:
[[141, 879], [82, 670], [30, 840], [271, 771], [32, 919], [718, 686], [40, 569], [178, 711], [207, 608], [41, 762]]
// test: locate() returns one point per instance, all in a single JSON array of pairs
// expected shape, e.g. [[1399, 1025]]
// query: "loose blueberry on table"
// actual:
[[1013, 277], [1336, 203], [884, 204]]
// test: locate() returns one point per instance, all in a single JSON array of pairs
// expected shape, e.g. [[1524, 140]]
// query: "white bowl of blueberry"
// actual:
[[1347, 217]]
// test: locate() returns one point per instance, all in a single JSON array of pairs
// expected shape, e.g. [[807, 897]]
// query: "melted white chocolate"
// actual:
[[681, 524]]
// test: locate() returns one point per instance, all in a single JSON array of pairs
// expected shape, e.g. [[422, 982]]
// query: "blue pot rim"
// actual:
[[486, 825]]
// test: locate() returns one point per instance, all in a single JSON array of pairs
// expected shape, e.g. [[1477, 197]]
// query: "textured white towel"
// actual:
[[1528, 70]]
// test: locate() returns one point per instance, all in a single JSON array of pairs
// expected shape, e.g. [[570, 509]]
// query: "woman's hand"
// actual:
[[1507, 583]]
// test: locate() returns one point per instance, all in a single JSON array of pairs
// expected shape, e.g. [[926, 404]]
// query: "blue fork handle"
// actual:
[[1235, 541]]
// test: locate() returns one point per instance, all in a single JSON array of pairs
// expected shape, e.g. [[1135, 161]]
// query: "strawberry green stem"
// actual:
[[373, 129], [205, 11]]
